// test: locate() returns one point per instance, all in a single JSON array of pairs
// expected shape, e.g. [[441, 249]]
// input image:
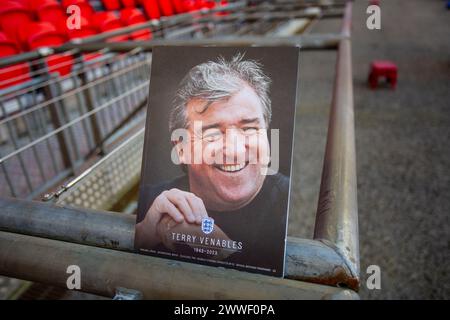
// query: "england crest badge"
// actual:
[[207, 225]]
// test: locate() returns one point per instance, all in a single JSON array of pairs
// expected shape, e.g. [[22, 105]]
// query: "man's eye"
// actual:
[[250, 130], [212, 136]]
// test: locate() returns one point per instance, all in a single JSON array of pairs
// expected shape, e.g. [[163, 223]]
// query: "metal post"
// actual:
[[55, 117], [96, 134]]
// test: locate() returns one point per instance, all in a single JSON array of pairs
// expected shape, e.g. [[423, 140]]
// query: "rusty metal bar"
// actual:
[[103, 271], [306, 260], [337, 211]]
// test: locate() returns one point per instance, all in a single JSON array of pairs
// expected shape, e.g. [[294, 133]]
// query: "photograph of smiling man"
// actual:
[[217, 156]]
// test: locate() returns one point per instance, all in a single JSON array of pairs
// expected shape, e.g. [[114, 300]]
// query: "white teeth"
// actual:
[[231, 168]]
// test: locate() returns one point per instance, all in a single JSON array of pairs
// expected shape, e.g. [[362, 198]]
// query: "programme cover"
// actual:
[[217, 156]]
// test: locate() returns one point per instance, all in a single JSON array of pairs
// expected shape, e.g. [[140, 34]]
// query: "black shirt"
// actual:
[[260, 225]]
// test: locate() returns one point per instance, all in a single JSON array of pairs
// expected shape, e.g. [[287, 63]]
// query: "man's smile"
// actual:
[[231, 167]]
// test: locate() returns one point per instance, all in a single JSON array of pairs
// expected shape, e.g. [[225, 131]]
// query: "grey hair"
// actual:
[[216, 80]]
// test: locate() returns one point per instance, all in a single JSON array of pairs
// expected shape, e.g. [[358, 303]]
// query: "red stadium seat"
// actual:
[[12, 15], [111, 4], [178, 6], [26, 3], [107, 21], [66, 3], [151, 9], [189, 5], [165, 7], [202, 4], [44, 34], [51, 11], [14, 74], [7, 46], [86, 9], [129, 3], [126, 13], [130, 16], [86, 30], [34, 4], [210, 4]]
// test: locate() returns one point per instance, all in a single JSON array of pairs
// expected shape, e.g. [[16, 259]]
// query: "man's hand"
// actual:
[[179, 205]]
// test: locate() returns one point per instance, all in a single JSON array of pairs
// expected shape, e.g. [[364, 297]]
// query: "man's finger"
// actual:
[[178, 198], [169, 208], [198, 208]]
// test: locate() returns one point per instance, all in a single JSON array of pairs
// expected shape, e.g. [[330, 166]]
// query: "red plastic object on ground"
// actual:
[[111, 4], [44, 34], [12, 15], [130, 16], [151, 9], [14, 74], [374, 2], [51, 11], [385, 69]]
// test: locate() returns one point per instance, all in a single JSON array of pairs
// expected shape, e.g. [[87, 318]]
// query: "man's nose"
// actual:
[[235, 147]]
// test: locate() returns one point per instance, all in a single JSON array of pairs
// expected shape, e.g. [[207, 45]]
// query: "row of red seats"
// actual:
[[51, 28], [155, 8], [15, 13]]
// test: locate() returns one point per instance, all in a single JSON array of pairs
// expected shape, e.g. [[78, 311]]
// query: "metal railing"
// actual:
[[49, 129]]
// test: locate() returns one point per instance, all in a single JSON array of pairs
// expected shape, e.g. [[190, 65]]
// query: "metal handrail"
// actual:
[[90, 231], [337, 211]]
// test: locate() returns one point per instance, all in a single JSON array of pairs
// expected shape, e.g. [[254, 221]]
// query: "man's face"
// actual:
[[232, 136]]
